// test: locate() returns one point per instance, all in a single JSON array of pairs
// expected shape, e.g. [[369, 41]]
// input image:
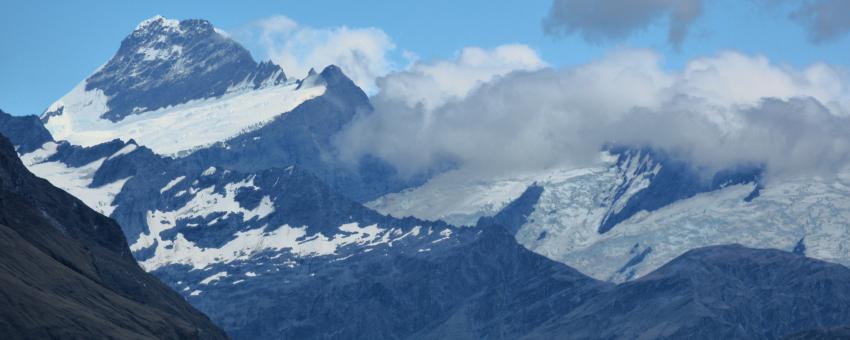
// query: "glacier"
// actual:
[[76, 180], [565, 223]]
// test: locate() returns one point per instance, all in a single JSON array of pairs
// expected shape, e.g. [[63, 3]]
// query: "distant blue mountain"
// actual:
[[481, 284], [718, 292]]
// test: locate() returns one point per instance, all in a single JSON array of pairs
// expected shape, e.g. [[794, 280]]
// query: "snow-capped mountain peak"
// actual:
[[154, 38], [158, 20], [165, 62], [175, 86]]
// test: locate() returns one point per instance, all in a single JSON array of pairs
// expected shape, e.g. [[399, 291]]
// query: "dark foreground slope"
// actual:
[[66, 271]]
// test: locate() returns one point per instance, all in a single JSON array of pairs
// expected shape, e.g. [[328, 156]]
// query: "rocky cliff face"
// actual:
[[66, 271]]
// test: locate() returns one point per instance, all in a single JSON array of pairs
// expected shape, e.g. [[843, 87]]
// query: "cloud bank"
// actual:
[[717, 112], [600, 21]]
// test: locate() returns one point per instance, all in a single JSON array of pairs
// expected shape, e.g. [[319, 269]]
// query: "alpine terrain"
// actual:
[[227, 181]]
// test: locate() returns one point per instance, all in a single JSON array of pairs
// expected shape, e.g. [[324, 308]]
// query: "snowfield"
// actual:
[[177, 129], [453, 197], [810, 211], [76, 181]]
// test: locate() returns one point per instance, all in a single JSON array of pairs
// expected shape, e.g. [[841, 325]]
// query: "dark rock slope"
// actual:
[[26, 131], [66, 271], [474, 286], [719, 292]]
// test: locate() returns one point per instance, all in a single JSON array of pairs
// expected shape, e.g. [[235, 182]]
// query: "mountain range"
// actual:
[[225, 179]]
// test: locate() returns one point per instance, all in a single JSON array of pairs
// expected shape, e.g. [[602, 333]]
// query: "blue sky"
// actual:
[[49, 46]]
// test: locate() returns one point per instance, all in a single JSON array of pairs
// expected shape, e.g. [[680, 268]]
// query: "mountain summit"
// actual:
[[166, 62], [175, 86]]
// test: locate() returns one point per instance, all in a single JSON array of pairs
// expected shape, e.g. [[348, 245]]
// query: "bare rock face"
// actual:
[[67, 272], [718, 292]]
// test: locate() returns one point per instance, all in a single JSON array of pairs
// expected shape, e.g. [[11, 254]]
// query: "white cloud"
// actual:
[[732, 77], [503, 109], [432, 84], [713, 111], [362, 53]]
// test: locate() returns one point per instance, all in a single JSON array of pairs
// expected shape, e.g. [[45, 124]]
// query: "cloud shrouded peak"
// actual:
[[362, 53], [599, 21]]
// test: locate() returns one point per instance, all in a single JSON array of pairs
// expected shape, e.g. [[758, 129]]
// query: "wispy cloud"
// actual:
[[362, 53], [433, 83]]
